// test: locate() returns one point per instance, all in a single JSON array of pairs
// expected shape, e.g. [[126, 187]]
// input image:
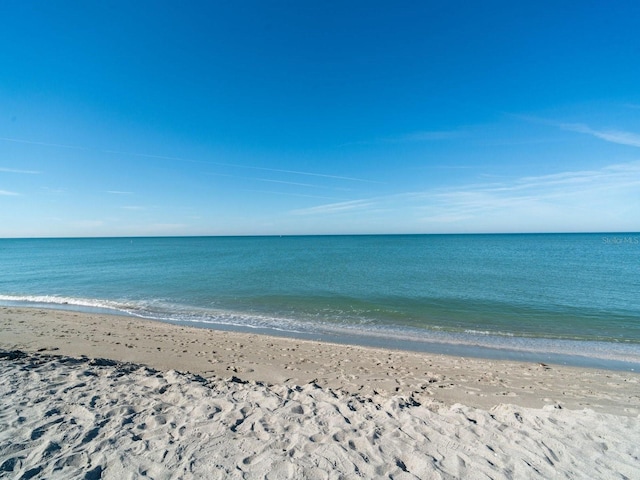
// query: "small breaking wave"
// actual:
[[53, 301], [472, 342]]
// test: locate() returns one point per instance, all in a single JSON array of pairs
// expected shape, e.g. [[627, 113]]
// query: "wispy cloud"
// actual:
[[426, 136], [16, 170], [588, 193], [449, 167], [297, 172], [557, 201], [249, 167], [7, 193], [288, 194], [613, 136], [119, 192], [620, 137], [333, 208], [281, 182], [44, 144], [412, 137], [202, 162]]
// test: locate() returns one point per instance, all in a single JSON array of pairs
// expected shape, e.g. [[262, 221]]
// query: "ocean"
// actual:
[[560, 298]]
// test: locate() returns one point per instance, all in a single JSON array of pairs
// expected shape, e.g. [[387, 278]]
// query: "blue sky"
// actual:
[[224, 118]]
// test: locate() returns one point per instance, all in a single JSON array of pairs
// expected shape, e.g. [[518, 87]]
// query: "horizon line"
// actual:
[[276, 235]]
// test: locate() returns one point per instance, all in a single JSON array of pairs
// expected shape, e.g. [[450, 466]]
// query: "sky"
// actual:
[[122, 118]]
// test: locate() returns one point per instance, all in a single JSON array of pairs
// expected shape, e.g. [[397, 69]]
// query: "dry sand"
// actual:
[[263, 407]]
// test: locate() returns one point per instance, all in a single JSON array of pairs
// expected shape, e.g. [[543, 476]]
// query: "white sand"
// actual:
[[80, 418]]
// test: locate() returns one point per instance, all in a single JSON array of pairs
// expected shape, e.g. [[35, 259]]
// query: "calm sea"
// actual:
[[569, 298]]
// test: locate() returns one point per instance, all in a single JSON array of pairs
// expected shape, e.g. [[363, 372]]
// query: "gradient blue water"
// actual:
[[575, 294]]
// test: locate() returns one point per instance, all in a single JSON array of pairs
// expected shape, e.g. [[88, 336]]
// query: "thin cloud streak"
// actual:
[[566, 182], [180, 159], [449, 167], [425, 136], [45, 144], [15, 170], [333, 208], [302, 195], [7, 193], [295, 172], [249, 167], [567, 179], [282, 182], [619, 137], [613, 136]]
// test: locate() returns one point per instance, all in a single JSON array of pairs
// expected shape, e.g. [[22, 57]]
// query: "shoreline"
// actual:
[[580, 353], [475, 382]]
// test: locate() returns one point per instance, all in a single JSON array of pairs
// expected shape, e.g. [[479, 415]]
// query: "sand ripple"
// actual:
[[66, 418]]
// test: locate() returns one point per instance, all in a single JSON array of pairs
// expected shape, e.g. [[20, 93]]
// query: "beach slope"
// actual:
[[94, 396]]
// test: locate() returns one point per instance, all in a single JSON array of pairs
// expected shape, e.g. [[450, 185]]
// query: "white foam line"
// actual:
[[489, 340], [63, 301]]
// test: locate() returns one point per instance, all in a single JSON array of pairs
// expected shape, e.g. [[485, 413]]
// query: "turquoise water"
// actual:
[[564, 297]]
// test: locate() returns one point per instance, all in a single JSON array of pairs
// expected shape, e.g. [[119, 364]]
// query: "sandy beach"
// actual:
[[100, 396]]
